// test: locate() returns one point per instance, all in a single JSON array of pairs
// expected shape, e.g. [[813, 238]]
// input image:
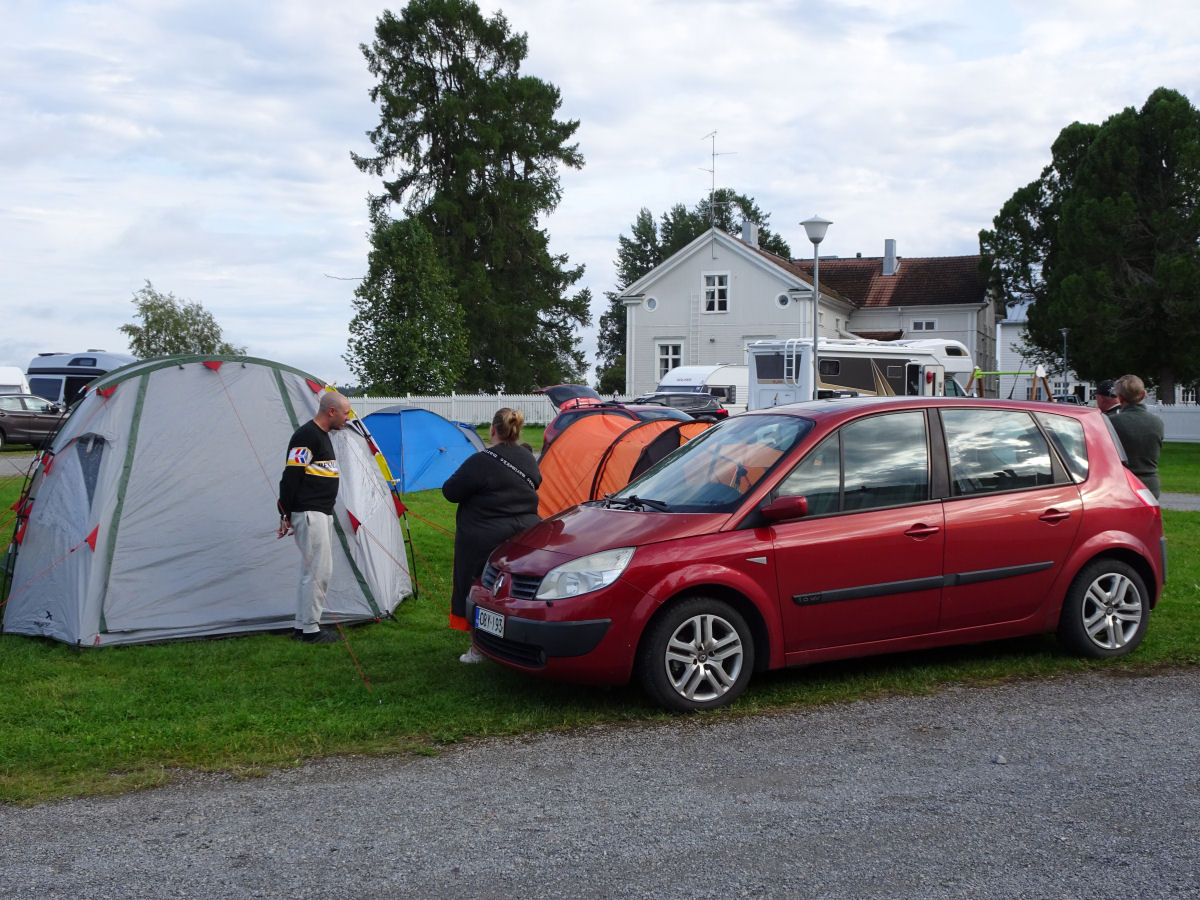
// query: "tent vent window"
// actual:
[[90, 450]]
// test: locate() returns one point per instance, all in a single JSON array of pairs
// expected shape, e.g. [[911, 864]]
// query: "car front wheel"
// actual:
[[1105, 611], [698, 655]]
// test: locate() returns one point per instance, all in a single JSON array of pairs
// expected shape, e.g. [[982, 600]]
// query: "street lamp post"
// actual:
[[815, 228], [1066, 386]]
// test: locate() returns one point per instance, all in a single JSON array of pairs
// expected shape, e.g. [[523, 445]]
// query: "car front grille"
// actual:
[[523, 587], [515, 652]]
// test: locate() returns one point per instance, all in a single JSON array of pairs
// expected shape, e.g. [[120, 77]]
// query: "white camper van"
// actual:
[[781, 371], [61, 377], [726, 382], [12, 381]]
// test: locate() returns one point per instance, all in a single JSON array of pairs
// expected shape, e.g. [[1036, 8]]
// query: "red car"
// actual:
[[834, 529]]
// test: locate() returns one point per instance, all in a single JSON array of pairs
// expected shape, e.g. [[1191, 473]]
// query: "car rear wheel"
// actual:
[[1105, 611], [698, 655]]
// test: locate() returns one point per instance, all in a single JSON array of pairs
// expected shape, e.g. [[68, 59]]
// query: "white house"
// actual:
[[706, 302]]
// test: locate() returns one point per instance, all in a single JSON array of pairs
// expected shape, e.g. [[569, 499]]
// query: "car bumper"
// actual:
[[586, 647]]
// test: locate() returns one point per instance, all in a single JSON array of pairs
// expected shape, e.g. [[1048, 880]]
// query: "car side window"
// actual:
[[871, 463], [994, 450], [1066, 434], [10, 403]]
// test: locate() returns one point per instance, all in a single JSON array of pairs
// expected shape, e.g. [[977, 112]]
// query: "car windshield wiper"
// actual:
[[634, 502]]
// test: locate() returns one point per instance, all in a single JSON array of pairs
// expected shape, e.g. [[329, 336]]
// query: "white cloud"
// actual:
[[205, 146]]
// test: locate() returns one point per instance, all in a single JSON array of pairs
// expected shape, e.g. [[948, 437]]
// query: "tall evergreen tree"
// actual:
[[1106, 243], [475, 149]]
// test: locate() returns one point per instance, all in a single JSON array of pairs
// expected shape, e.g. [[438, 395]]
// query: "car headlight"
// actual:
[[586, 574]]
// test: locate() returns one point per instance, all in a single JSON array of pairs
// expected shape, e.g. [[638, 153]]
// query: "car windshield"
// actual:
[[714, 471]]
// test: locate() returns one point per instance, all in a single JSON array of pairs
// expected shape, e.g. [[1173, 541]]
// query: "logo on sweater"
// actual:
[[299, 456]]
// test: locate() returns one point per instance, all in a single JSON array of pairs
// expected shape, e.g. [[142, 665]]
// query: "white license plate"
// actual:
[[491, 622]]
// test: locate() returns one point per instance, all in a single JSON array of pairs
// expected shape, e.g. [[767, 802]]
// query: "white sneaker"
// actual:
[[472, 656]]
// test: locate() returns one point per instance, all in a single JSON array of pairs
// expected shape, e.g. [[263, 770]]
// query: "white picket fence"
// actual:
[[1181, 422], [472, 409]]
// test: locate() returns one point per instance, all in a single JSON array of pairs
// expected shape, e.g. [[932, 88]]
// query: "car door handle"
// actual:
[[922, 531], [1054, 515]]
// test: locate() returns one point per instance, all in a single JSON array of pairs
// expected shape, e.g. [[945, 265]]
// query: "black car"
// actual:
[[695, 405], [26, 419]]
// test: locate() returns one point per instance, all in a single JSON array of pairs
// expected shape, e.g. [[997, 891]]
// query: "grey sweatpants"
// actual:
[[314, 534]]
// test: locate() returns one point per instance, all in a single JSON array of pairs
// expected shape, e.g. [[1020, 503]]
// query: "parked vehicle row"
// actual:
[[832, 529]]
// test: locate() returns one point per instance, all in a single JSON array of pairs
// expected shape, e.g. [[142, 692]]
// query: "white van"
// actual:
[[61, 377], [12, 381], [727, 382]]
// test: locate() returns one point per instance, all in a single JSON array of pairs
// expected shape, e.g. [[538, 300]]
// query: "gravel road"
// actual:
[[1083, 786]]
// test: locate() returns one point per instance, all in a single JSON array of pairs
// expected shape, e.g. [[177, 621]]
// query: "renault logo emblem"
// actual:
[[499, 584]]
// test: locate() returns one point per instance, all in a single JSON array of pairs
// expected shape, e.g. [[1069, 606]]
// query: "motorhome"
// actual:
[[781, 371], [61, 377], [12, 381], [726, 382]]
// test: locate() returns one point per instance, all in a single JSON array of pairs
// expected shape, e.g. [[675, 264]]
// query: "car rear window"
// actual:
[[995, 450], [1066, 434]]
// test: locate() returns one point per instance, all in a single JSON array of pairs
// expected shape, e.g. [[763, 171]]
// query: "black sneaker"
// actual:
[[324, 636]]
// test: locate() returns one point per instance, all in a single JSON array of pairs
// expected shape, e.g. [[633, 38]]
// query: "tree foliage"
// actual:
[[471, 148], [650, 244], [1106, 243], [171, 326], [407, 334]]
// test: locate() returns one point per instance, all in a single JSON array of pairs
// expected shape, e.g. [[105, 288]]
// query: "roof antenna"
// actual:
[[712, 187]]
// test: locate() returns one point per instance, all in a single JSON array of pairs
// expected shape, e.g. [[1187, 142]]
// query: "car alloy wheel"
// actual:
[[698, 655], [1105, 611]]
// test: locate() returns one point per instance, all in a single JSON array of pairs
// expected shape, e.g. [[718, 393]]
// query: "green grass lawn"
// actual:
[[121, 718]]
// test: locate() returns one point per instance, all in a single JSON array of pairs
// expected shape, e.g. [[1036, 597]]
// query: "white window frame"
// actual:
[[924, 325], [714, 291], [668, 355]]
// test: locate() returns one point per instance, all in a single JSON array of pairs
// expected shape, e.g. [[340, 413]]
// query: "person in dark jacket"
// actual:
[[496, 493], [1140, 431], [1106, 398]]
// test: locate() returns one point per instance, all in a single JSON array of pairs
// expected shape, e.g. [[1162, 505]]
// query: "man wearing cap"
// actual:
[[1140, 431], [1106, 397]]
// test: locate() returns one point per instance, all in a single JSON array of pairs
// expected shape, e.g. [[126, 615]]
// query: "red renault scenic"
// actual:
[[833, 529]]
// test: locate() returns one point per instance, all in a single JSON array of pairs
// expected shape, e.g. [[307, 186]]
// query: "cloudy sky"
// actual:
[[205, 146]]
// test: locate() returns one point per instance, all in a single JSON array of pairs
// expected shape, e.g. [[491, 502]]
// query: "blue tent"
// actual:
[[421, 448]]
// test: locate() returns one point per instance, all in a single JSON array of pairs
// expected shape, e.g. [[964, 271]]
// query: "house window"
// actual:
[[716, 292], [669, 356], [651, 304], [924, 325]]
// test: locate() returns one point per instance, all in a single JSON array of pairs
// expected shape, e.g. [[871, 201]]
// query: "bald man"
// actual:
[[307, 492]]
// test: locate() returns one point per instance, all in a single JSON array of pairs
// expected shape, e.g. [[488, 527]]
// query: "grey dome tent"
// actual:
[[152, 517], [422, 449]]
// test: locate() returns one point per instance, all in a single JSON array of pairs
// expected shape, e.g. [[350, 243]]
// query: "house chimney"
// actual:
[[750, 233], [890, 263]]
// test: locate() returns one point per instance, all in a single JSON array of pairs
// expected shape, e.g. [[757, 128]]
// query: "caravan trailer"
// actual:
[[61, 377], [727, 382], [781, 371]]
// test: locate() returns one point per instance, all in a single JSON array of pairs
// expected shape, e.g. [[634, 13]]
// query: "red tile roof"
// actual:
[[919, 281]]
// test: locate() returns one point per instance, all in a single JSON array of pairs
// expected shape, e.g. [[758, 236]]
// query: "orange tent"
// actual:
[[602, 453]]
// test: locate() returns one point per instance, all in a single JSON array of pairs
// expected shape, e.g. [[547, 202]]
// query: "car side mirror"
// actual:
[[783, 509]]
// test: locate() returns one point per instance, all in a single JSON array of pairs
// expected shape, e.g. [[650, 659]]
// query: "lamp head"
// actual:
[[815, 228]]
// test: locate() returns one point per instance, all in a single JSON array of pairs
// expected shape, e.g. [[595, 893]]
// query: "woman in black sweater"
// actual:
[[496, 493]]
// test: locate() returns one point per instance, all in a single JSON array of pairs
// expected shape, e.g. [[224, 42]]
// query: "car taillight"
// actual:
[[1144, 493]]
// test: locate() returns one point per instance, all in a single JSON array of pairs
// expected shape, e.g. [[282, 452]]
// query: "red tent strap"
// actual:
[[354, 523], [20, 535], [401, 509], [314, 386], [91, 538], [213, 364], [107, 392]]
